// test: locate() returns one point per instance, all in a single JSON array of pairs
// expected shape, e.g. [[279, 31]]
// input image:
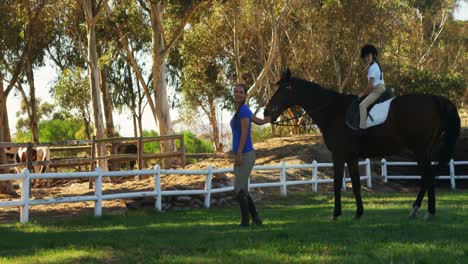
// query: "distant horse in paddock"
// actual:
[[125, 148], [37, 155], [427, 126]]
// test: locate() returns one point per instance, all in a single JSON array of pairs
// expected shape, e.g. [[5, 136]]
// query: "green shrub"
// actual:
[[427, 82], [54, 130], [260, 133], [196, 145], [192, 143], [151, 147]]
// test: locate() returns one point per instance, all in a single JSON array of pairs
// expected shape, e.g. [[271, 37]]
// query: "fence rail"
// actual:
[[24, 202], [88, 147], [452, 177]]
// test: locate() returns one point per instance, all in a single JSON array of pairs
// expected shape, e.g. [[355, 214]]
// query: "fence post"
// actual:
[[314, 176], [283, 179], [452, 174], [209, 176], [140, 149], [24, 209], [157, 187], [98, 193], [182, 149], [93, 161], [384, 169], [368, 172], [343, 185]]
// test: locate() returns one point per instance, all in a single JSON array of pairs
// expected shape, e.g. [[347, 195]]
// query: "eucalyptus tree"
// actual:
[[93, 10], [71, 92], [40, 25], [12, 57], [128, 94], [44, 111], [69, 49], [23, 27], [26, 36], [221, 49], [164, 37], [130, 51], [11, 66], [203, 67]]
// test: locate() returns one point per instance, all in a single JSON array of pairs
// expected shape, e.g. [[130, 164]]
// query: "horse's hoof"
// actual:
[[428, 216], [413, 212]]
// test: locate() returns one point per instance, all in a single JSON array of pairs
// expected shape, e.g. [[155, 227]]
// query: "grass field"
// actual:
[[297, 229]]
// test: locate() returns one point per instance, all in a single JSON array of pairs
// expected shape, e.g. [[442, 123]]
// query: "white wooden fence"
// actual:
[[98, 196], [452, 177]]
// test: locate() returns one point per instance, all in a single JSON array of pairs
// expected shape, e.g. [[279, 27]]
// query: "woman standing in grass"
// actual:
[[244, 155]]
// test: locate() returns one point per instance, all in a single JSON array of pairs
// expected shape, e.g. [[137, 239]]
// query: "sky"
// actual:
[[46, 76]]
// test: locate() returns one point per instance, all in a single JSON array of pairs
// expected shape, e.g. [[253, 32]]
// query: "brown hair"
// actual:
[[238, 107]]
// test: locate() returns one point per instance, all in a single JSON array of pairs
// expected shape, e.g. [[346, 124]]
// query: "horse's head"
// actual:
[[284, 97]]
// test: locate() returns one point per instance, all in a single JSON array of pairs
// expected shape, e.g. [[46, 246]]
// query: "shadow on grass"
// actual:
[[296, 230]]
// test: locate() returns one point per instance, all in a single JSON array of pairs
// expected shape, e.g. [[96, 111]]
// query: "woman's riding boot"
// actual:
[[253, 211], [244, 207]]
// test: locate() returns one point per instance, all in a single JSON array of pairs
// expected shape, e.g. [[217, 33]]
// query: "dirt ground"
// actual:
[[298, 149]]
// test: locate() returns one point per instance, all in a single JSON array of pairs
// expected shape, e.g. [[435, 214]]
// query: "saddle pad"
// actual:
[[379, 113]]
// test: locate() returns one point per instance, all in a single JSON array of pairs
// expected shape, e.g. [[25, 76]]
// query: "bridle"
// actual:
[[318, 109]]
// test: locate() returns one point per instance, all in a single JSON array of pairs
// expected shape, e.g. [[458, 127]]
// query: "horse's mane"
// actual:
[[316, 86]]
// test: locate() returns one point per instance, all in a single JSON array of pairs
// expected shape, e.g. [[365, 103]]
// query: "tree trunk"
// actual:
[[135, 126], [140, 125], [236, 44], [4, 124], [5, 186], [94, 81], [106, 101], [86, 124], [107, 104], [163, 117], [32, 100], [214, 127]]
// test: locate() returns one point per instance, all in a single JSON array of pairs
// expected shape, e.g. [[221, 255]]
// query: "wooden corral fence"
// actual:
[[77, 153]]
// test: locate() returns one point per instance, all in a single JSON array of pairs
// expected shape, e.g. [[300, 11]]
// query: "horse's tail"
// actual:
[[450, 130]]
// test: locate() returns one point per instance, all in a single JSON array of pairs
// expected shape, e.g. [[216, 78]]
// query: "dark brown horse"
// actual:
[[427, 126]]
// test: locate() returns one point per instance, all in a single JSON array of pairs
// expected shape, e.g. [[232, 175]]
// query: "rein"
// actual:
[[281, 122]]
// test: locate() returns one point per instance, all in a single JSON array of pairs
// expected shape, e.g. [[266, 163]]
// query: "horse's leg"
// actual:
[[422, 163], [417, 203], [427, 183], [338, 167], [429, 178], [353, 167], [431, 204]]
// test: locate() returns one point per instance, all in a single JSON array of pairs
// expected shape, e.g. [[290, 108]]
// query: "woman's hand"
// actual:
[[237, 159], [260, 121]]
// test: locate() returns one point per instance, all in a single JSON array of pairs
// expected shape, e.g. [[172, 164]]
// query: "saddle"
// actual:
[[352, 113]]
